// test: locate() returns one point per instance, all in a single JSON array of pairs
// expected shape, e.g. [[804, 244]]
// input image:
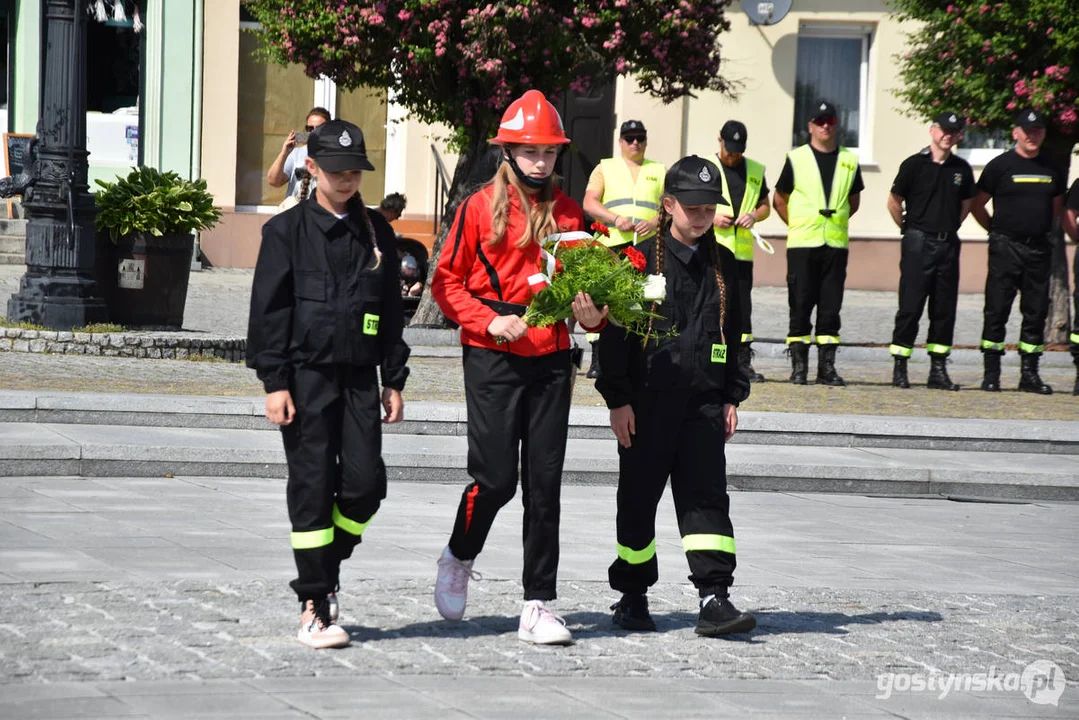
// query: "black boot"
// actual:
[[899, 372], [720, 617], [745, 364], [991, 378], [799, 362], [938, 374], [826, 374], [631, 613], [1029, 379], [593, 364]]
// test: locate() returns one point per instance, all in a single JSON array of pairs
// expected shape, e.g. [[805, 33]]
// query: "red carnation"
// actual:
[[636, 258], [601, 229]]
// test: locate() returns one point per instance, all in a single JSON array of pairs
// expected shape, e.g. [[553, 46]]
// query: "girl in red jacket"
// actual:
[[517, 378]]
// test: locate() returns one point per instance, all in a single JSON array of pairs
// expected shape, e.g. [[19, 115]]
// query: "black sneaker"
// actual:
[[631, 613], [720, 617]]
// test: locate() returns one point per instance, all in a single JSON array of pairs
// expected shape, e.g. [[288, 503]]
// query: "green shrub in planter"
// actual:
[[155, 202]]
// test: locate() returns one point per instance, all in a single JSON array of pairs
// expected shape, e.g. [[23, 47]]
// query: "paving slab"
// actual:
[[875, 587]]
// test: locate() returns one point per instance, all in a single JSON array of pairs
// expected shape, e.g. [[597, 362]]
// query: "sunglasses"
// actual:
[[630, 139], [825, 121], [309, 128]]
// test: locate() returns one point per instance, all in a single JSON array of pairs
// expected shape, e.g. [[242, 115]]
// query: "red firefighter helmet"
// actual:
[[531, 120]]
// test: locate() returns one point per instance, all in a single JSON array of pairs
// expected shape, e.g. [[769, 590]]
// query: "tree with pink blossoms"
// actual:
[[988, 60], [461, 63]]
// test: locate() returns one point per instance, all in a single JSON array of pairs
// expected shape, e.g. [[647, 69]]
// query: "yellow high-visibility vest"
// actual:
[[806, 226], [735, 238], [637, 201]]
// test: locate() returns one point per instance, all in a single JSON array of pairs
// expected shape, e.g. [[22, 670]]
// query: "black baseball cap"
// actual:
[[1030, 118], [822, 109], [950, 122], [734, 136], [338, 146], [632, 126], [694, 181]]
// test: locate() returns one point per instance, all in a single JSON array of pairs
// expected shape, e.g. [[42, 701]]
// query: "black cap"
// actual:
[[338, 146], [694, 181], [822, 109], [734, 136], [1030, 118], [632, 126], [950, 122]]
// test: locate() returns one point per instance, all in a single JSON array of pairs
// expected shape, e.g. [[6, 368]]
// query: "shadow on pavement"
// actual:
[[489, 625]]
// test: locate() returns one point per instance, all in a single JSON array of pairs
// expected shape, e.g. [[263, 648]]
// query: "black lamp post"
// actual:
[[59, 289]]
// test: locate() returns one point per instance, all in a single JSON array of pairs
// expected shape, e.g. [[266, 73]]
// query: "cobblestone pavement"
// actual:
[[217, 302], [440, 379], [185, 579]]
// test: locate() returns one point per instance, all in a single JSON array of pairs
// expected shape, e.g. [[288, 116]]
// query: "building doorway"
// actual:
[[589, 123]]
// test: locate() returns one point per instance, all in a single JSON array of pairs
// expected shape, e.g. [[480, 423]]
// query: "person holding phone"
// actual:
[[288, 166]]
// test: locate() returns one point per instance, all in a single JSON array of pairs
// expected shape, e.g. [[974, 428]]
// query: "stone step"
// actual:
[[13, 244], [586, 423], [14, 227], [42, 449], [12, 259]]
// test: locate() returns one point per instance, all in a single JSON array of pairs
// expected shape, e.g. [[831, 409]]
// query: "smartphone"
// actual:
[[302, 136]]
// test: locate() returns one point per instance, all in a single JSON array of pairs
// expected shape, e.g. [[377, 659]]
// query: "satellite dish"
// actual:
[[766, 13]]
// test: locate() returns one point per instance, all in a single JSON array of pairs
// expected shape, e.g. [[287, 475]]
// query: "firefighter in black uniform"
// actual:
[[673, 403], [937, 188], [325, 312], [1070, 221], [1028, 192]]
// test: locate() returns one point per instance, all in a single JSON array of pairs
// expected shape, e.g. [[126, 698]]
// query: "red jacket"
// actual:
[[500, 274]]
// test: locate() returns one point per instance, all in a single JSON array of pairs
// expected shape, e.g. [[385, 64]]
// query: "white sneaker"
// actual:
[[451, 586], [540, 626], [317, 630]]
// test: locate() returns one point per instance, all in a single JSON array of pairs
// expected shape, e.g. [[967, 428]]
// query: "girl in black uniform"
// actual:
[[325, 313], [673, 403]]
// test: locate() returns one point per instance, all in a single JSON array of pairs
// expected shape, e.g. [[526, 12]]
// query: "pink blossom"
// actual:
[[984, 10]]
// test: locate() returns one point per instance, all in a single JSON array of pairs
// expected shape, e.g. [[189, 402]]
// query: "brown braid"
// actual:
[[370, 230], [717, 268], [305, 186], [661, 251]]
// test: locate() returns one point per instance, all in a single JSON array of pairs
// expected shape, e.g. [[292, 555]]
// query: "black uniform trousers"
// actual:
[[336, 477], [745, 293], [1074, 336], [1017, 265], [928, 269], [518, 415], [815, 278], [680, 435]]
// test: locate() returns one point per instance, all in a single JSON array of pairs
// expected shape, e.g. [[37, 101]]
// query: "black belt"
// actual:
[[938, 236], [1031, 240], [504, 308]]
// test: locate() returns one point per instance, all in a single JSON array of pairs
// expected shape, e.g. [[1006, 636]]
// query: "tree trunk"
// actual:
[[475, 166], [1058, 320]]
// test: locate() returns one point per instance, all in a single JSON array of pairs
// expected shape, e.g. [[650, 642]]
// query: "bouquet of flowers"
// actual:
[[579, 262]]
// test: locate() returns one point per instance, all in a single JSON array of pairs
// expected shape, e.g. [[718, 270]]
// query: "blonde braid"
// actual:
[[721, 285]]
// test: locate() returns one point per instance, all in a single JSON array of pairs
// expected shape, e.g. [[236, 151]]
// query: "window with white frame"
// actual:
[[979, 146], [833, 65]]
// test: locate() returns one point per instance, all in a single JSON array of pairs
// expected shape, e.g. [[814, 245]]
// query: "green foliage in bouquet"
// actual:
[[609, 279], [155, 202]]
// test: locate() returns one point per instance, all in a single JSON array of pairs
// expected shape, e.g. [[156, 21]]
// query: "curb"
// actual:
[[433, 419]]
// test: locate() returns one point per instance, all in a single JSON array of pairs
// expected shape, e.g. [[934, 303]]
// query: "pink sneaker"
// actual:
[[451, 586], [316, 628], [540, 626]]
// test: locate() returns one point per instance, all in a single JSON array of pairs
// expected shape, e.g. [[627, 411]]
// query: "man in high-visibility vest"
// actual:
[[816, 194], [624, 193], [746, 192]]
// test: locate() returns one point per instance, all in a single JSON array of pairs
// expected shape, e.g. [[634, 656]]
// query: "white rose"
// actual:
[[655, 288]]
